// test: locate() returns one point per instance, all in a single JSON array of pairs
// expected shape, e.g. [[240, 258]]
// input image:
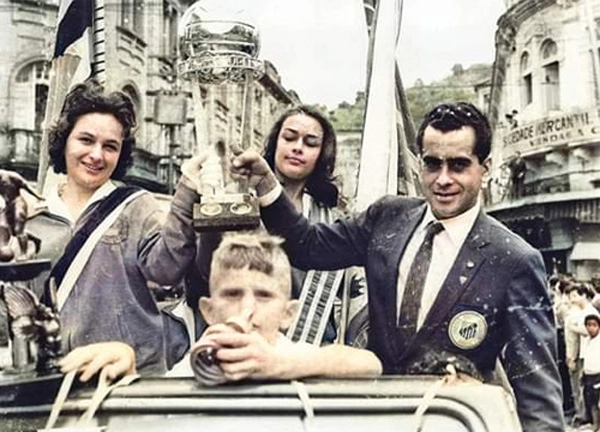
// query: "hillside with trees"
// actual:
[[457, 86]]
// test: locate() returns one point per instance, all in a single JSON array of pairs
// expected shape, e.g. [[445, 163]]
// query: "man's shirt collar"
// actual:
[[457, 227]]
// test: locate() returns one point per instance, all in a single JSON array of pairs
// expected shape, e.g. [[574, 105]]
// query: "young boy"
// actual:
[[250, 282], [591, 369]]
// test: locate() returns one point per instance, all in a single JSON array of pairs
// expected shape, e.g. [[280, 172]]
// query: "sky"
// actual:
[[319, 46]]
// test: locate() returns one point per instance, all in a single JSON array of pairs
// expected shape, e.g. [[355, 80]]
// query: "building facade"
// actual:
[[140, 56], [545, 110]]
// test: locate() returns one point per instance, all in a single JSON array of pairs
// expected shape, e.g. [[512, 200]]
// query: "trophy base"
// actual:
[[226, 212]]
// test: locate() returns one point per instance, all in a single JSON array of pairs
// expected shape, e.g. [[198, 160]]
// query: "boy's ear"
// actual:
[[291, 310], [206, 309]]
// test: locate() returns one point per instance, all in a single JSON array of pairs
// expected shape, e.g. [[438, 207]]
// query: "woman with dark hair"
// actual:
[[301, 149], [106, 239]]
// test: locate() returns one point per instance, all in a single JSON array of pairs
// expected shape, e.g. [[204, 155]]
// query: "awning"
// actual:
[[585, 210], [586, 251]]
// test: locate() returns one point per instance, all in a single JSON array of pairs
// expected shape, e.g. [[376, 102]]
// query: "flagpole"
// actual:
[[378, 169], [71, 64], [406, 136], [99, 43]]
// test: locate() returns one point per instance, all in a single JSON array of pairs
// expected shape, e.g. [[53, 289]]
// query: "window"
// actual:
[[550, 75], [29, 95], [130, 91], [549, 49], [526, 80], [132, 15], [41, 98], [34, 71]]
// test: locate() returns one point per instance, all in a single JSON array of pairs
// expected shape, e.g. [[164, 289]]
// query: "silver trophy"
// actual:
[[218, 45]]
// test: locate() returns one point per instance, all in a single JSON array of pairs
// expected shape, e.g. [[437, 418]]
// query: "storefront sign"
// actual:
[[551, 132]]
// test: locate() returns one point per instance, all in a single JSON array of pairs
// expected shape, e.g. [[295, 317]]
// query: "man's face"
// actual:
[[592, 327], [243, 292], [451, 174]]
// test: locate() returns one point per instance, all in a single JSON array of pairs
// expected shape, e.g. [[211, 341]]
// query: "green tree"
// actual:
[[349, 116], [422, 99], [457, 86]]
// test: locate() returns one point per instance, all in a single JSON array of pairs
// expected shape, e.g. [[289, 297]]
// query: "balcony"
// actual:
[[21, 151]]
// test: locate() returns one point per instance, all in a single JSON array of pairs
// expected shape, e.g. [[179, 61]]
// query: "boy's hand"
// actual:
[[250, 355], [117, 358], [250, 165]]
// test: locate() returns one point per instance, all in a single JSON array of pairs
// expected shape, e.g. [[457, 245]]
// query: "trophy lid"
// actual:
[[217, 40], [217, 25]]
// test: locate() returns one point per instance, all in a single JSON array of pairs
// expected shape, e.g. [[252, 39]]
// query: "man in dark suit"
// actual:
[[443, 277]]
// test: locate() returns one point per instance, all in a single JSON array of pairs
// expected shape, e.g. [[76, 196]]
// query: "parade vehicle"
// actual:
[[165, 404]]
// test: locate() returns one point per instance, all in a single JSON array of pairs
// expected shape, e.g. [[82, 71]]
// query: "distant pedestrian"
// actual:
[[518, 169], [591, 369]]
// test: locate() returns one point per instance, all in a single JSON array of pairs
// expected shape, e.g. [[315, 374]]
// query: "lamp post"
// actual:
[[170, 111]]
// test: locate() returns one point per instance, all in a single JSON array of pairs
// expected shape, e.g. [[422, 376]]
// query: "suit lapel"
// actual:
[[467, 263]]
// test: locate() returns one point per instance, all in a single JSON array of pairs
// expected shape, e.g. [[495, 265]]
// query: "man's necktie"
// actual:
[[415, 282]]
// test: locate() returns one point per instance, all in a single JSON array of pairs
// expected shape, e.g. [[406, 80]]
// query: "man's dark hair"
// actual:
[[320, 183], [450, 117], [86, 98]]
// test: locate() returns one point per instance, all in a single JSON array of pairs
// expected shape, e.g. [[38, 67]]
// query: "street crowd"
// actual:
[[577, 311]]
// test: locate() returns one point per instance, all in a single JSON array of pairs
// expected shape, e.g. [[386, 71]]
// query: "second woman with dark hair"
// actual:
[[105, 239], [301, 150]]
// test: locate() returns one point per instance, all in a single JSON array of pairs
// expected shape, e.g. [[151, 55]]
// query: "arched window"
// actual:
[[526, 80], [130, 91], [550, 74], [525, 66], [29, 96], [549, 49]]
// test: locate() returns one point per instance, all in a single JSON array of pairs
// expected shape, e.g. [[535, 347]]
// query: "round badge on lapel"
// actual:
[[467, 329]]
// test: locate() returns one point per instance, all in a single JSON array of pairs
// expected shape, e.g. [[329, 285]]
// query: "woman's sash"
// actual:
[[68, 268], [318, 290]]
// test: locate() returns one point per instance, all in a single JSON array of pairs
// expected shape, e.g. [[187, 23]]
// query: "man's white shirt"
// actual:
[[446, 246]]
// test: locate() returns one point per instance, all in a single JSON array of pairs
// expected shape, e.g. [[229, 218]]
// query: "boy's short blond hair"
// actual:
[[259, 252]]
